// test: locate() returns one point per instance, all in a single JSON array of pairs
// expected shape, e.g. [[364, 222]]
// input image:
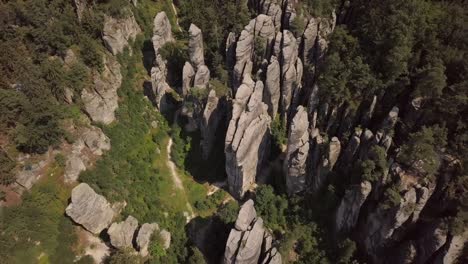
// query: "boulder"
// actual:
[[73, 167], [251, 244], [297, 152], [162, 31], [246, 215], [89, 209], [196, 46], [121, 234], [144, 237], [101, 102], [166, 238], [119, 32], [348, 211]]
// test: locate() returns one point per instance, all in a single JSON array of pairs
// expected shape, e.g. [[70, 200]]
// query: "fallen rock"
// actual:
[[89, 209], [121, 234]]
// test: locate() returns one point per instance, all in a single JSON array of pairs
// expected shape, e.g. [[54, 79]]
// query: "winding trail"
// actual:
[[176, 178]]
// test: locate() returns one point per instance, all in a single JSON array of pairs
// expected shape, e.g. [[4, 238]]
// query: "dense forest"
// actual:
[[372, 125]]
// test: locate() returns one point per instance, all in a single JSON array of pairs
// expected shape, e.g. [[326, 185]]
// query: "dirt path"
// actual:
[[175, 177]]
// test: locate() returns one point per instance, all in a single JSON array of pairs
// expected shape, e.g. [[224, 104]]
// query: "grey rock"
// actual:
[[231, 50], [246, 137], [166, 238], [348, 211], [119, 32], [232, 245], [29, 175], [202, 77], [212, 116], [247, 214], [162, 31], [89, 209], [121, 234], [73, 167], [271, 8], [391, 119], [144, 237], [263, 26], [272, 93], [96, 140], [289, 71], [196, 46], [81, 6], [251, 244], [188, 73], [334, 150], [102, 101], [244, 50], [453, 249], [159, 84], [309, 37], [297, 152]]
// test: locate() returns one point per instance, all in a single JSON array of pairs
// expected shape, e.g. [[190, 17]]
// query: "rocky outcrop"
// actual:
[[212, 116], [165, 238], [159, 84], [262, 26], [89, 209], [290, 79], [272, 93], [348, 211], [249, 242], [144, 236], [196, 46], [119, 32], [81, 6], [91, 142], [121, 234], [247, 137], [162, 31], [453, 248], [101, 101], [272, 8], [297, 152]]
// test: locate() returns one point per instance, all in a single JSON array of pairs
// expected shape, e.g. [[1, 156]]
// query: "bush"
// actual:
[[228, 213], [271, 207], [279, 131]]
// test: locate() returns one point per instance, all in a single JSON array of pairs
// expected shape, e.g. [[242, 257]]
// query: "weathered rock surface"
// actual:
[[102, 101], [247, 137], [272, 93], [262, 26], [159, 84], [89, 209], [144, 236], [196, 46], [244, 51], [81, 6], [121, 234], [348, 211], [212, 116], [166, 238], [96, 140], [289, 74], [188, 73], [248, 242], [202, 77], [162, 31], [118, 33], [297, 152], [246, 215]]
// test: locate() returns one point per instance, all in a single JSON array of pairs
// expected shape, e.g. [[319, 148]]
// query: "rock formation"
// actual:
[[348, 211], [247, 137], [102, 100], [249, 241], [297, 152], [188, 73], [212, 116], [81, 6], [202, 77], [144, 236], [162, 31], [119, 32], [196, 46], [89, 209], [121, 234], [272, 93]]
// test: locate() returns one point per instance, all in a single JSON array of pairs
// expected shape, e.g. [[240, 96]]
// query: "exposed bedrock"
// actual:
[[119, 32]]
